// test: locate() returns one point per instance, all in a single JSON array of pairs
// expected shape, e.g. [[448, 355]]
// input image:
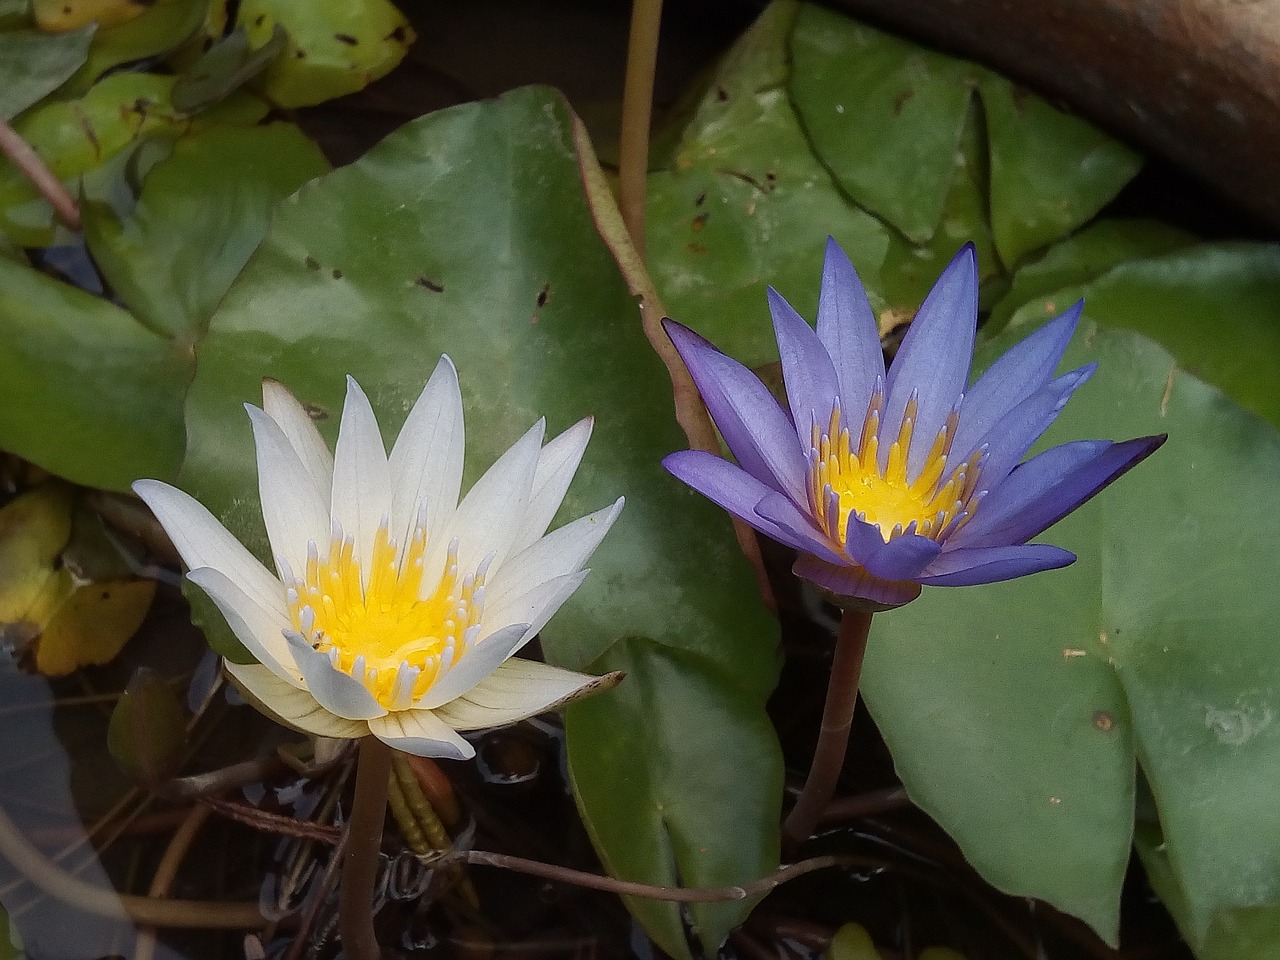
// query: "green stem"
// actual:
[[833, 738], [637, 109], [364, 842]]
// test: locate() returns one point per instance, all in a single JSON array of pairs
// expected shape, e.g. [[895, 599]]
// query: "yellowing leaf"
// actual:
[[333, 48], [147, 729], [58, 16], [852, 942], [92, 625], [33, 530]]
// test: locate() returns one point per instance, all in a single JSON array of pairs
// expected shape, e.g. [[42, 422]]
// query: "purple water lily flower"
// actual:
[[887, 481]]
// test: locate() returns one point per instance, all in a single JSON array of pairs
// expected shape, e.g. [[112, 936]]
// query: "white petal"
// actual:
[[426, 461], [300, 430], [422, 733], [557, 463], [519, 689], [290, 705], [361, 477], [337, 692], [474, 665], [203, 542], [260, 627], [535, 606], [489, 513], [559, 553], [292, 507]]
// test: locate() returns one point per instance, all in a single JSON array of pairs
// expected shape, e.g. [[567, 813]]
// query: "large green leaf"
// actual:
[[436, 241], [904, 106], [94, 392], [1013, 709], [656, 800], [1050, 171], [1082, 257], [33, 64], [84, 390], [174, 255], [1213, 306]]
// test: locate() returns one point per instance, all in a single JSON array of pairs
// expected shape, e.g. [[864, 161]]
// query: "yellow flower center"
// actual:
[[389, 633], [845, 480]]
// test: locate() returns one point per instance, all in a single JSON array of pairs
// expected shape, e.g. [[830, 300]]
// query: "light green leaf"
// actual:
[[173, 257], [883, 114], [1050, 171], [652, 792], [162, 28], [1013, 709], [34, 64]]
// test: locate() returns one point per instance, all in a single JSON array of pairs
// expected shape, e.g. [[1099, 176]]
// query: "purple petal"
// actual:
[[735, 490], [934, 358], [965, 568], [1021, 370], [1047, 487], [855, 582], [902, 558], [799, 526], [754, 426], [807, 371], [1009, 440], [848, 331]]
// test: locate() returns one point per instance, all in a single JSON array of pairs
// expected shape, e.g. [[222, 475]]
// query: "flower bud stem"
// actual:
[[833, 737], [360, 858], [637, 110]]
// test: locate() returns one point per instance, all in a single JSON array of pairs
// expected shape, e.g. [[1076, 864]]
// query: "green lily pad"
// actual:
[[165, 26], [87, 392], [903, 108], [1050, 171], [34, 64], [1214, 306], [1080, 258], [435, 242], [635, 783], [174, 256], [1013, 710]]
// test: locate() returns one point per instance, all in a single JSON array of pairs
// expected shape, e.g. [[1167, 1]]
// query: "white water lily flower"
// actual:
[[395, 609]]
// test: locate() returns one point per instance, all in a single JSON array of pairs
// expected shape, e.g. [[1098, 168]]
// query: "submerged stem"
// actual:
[[637, 110], [833, 738], [360, 859]]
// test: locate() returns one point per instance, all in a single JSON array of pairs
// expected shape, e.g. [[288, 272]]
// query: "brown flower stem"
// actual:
[[833, 737], [637, 110], [360, 859], [31, 166]]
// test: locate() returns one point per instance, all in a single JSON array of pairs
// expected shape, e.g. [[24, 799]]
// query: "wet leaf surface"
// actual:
[[33, 64], [1024, 701]]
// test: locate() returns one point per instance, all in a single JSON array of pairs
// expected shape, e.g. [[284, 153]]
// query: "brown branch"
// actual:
[[32, 166]]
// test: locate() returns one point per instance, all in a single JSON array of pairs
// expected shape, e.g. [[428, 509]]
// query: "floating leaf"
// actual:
[[852, 942], [1050, 171], [334, 48], [1013, 710], [1080, 258], [173, 257], [224, 67], [378, 268], [58, 16], [33, 64], [92, 625], [148, 728], [1213, 306], [904, 105], [164, 26], [623, 730], [34, 527]]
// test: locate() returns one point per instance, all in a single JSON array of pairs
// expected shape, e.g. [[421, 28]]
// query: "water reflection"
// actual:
[[77, 916]]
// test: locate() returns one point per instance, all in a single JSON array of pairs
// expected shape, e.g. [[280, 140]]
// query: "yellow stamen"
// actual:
[[845, 480], [396, 632]]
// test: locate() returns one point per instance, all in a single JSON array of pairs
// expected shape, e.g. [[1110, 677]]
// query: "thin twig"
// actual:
[[833, 737], [167, 871], [32, 166], [869, 804], [637, 110], [364, 841]]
